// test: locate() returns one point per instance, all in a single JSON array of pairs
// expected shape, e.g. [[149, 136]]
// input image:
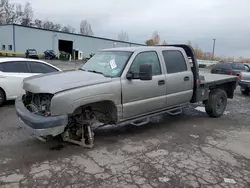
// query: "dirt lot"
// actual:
[[189, 150]]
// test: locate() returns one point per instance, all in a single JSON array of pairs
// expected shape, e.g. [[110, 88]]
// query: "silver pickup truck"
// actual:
[[244, 81], [120, 86]]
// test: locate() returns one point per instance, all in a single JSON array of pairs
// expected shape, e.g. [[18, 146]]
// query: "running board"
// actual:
[[175, 112], [146, 119]]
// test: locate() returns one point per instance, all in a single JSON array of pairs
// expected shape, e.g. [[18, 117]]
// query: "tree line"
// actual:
[[200, 54], [14, 13]]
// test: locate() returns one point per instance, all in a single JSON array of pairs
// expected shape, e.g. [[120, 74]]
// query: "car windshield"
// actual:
[[108, 63]]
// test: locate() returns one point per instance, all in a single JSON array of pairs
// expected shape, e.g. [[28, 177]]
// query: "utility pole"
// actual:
[[213, 49]]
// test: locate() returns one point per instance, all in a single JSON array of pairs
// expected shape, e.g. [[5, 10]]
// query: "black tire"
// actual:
[[2, 97], [245, 91], [216, 103]]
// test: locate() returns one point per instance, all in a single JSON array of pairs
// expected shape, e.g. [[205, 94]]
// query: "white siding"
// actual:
[[6, 37], [42, 40]]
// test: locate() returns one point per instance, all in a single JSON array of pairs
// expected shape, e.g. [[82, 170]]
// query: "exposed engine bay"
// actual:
[[38, 103]]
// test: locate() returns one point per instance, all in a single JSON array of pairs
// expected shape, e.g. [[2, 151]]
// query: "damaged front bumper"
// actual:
[[40, 125]]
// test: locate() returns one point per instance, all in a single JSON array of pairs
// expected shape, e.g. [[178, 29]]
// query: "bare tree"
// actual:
[[85, 28], [123, 36], [156, 38], [27, 15], [10, 13], [149, 42], [189, 42], [164, 43], [38, 23], [68, 29], [51, 26]]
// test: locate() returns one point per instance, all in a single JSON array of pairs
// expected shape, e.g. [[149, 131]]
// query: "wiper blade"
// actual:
[[94, 71]]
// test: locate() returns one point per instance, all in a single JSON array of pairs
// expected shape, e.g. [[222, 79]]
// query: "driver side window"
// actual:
[[146, 58]]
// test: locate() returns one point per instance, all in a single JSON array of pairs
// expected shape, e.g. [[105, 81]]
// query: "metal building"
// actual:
[[17, 38]]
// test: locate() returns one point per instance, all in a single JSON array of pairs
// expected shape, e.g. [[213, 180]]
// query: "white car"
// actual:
[[14, 70]]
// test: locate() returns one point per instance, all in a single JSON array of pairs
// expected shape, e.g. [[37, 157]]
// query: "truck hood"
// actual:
[[61, 81]]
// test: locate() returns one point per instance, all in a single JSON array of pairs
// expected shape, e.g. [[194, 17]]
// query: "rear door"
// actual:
[[179, 78], [40, 68], [238, 68], [14, 72], [143, 97]]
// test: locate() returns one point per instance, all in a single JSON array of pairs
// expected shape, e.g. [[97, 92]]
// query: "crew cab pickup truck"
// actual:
[[120, 86]]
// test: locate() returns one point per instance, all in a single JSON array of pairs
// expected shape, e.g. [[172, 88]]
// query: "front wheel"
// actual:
[[216, 103], [2, 97]]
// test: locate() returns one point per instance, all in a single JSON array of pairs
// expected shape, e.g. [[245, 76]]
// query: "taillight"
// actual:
[[240, 76]]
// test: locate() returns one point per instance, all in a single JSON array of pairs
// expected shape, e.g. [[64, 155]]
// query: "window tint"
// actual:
[[15, 66], [222, 66], [174, 61], [146, 58], [36, 67], [241, 66], [238, 66]]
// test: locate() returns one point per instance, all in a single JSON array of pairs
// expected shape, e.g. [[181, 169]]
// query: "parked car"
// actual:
[[49, 54], [245, 81], [31, 53], [14, 70], [229, 68], [120, 86]]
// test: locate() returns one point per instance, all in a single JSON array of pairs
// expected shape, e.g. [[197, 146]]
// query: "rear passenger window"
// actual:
[[36, 67], [174, 61], [241, 67], [15, 66]]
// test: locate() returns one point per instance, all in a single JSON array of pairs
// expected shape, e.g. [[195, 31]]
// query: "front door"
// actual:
[[14, 72], [142, 97]]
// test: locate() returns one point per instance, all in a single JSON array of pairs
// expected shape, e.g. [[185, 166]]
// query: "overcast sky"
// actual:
[[176, 21]]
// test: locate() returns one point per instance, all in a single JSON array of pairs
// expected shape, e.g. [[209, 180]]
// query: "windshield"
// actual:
[[108, 63]]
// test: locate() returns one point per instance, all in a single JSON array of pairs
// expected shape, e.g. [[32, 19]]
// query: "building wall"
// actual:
[[43, 40], [6, 37]]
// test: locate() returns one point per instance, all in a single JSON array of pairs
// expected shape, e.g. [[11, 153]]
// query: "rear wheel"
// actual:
[[216, 103], [2, 97]]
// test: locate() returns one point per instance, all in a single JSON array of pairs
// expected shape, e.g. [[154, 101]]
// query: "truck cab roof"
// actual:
[[142, 48]]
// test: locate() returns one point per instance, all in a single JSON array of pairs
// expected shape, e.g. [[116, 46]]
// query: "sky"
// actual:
[[177, 21]]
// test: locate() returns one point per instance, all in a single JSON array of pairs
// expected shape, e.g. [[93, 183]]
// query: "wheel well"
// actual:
[[227, 87], [3, 92], [107, 108]]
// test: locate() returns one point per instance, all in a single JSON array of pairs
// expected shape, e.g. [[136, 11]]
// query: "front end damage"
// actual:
[[34, 110]]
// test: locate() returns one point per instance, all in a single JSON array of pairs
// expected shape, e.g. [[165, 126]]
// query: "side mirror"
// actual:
[[145, 72], [130, 75]]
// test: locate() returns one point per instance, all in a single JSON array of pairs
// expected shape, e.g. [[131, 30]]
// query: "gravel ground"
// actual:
[[66, 65], [189, 150]]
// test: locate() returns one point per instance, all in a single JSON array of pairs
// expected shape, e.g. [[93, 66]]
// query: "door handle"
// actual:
[[161, 82], [186, 78]]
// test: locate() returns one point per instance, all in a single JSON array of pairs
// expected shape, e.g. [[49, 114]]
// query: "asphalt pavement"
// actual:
[[188, 150]]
